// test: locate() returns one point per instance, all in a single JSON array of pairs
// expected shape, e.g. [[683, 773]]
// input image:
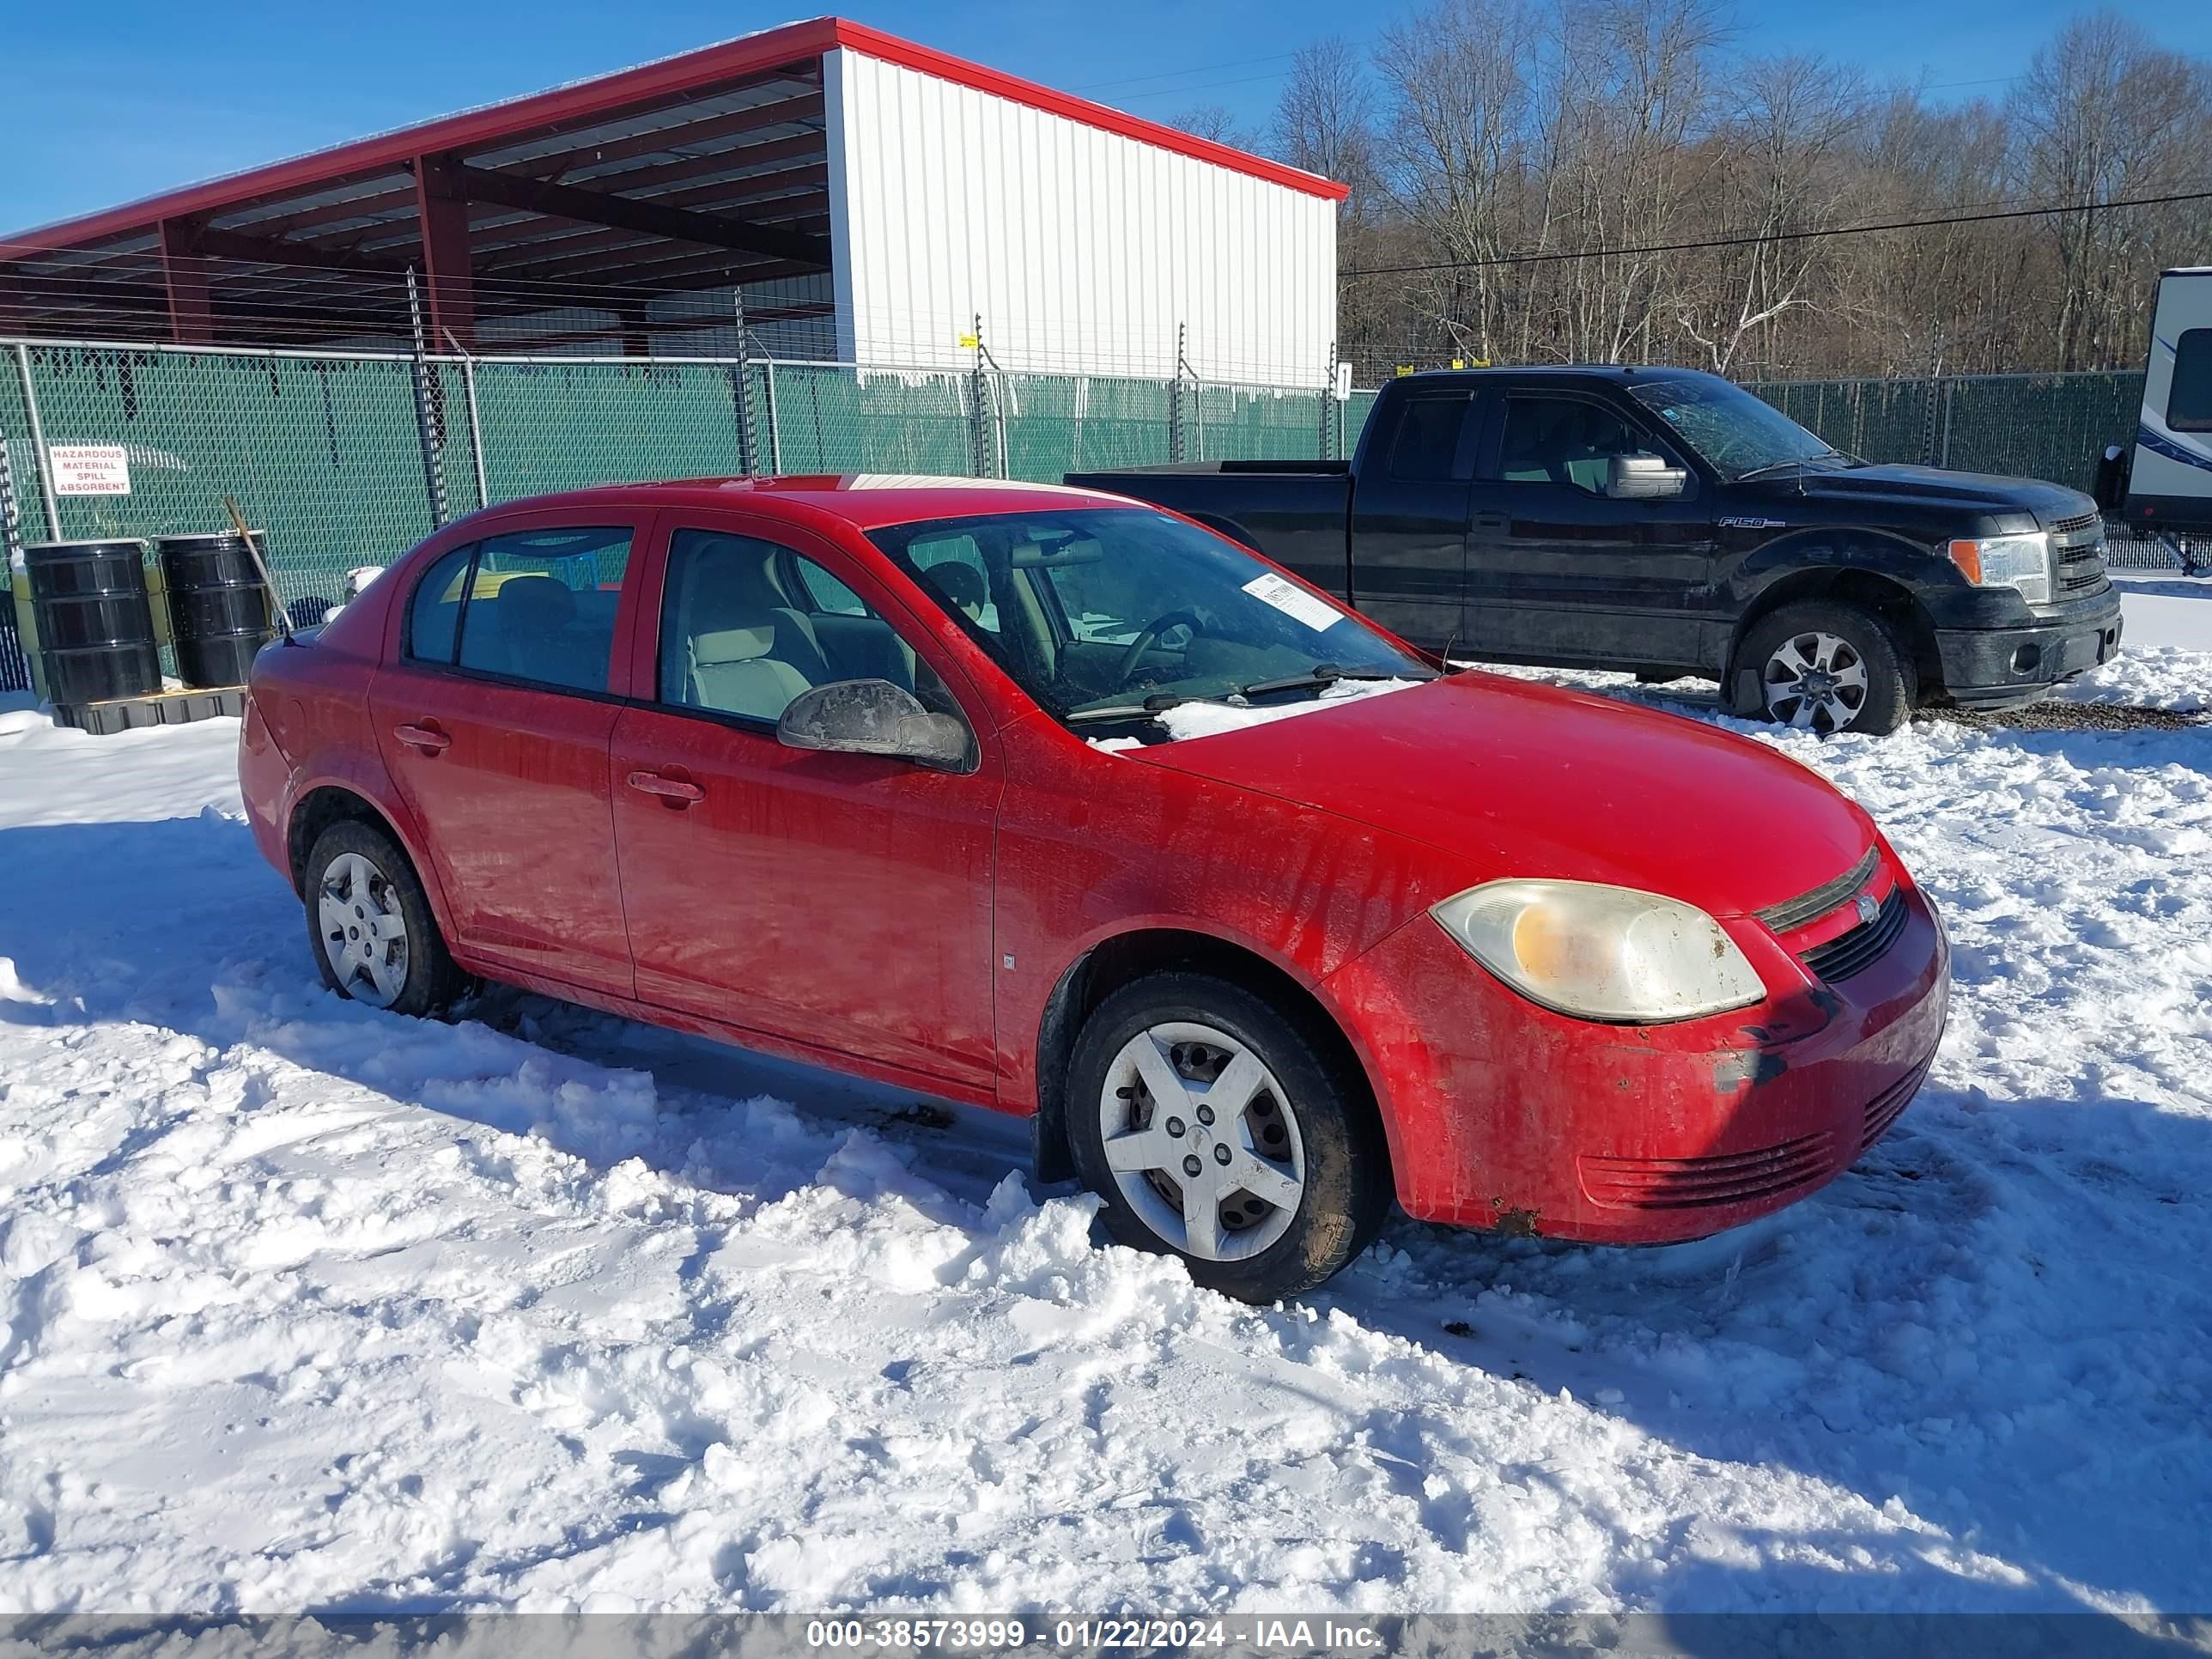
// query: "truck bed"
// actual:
[[1294, 512]]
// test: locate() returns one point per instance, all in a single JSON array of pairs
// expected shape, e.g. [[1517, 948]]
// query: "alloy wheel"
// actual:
[[364, 931], [1202, 1142], [1816, 682]]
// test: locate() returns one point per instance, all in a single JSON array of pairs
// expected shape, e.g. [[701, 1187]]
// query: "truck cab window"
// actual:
[[1428, 446], [1565, 440]]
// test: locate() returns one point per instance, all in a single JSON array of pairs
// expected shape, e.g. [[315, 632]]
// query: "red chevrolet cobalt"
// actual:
[[1041, 800]]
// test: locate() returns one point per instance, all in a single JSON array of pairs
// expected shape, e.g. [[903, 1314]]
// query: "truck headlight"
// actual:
[[1600, 953], [2016, 562]]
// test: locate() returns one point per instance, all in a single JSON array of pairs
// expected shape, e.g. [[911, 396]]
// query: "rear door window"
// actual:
[[2189, 401], [541, 606], [433, 617], [1430, 441]]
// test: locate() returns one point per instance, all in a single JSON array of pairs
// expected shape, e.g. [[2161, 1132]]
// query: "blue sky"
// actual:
[[135, 96]]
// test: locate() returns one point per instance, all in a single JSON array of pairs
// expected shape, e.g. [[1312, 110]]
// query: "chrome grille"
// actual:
[[1793, 914], [2075, 525], [1859, 950]]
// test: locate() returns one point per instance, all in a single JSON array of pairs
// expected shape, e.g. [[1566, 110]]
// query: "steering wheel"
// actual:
[[1148, 636]]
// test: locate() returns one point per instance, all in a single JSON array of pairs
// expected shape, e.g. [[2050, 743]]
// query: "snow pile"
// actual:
[[302, 1304]]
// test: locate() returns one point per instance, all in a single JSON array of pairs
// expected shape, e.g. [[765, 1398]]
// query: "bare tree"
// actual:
[[1216, 122], [2104, 114]]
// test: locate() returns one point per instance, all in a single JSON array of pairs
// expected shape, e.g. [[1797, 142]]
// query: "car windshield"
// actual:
[[1109, 615], [1739, 435]]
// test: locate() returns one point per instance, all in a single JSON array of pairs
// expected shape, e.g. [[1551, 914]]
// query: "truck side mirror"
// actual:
[[1643, 478]]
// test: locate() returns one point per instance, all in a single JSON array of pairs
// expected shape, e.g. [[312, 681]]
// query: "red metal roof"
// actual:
[[585, 100]]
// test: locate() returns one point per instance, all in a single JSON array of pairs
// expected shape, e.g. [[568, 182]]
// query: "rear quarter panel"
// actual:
[[311, 701]]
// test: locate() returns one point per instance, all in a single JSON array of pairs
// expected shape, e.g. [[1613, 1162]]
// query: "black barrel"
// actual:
[[218, 610], [95, 621]]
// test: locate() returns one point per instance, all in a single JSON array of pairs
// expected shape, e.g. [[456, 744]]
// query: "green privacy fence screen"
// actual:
[[344, 459], [2036, 426]]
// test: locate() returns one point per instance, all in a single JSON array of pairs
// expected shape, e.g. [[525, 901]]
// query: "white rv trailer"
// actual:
[[2168, 480]]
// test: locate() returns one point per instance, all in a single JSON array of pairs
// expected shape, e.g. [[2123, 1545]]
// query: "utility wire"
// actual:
[[1755, 238]]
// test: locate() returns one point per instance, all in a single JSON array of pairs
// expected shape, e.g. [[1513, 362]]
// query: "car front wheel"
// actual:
[[1216, 1129], [370, 926], [1825, 667]]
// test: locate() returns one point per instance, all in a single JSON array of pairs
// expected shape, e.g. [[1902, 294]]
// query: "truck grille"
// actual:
[[2077, 549], [1861, 947], [1697, 1183], [1793, 914]]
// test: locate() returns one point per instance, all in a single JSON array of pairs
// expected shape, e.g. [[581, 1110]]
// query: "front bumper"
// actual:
[[1504, 1116], [1997, 665]]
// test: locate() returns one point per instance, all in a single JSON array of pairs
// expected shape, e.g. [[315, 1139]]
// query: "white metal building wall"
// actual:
[[1082, 249]]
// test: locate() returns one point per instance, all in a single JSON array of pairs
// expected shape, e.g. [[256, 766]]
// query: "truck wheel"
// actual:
[[369, 924], [1827, 667], [1215, 1129]]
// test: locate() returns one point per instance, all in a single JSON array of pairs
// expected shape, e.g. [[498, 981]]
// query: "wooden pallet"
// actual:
[[158, 708]]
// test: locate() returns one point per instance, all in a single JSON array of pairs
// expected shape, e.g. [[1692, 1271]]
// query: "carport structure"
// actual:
[[825, 171]]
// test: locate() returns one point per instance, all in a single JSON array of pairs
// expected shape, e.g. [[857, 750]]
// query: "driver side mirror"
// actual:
[[1643, 478], [874, 717]]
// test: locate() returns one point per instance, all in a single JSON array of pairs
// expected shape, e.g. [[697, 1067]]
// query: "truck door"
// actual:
[[1560, 573], [1409, 505]]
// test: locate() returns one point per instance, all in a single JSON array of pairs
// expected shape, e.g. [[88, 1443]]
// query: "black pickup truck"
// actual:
[[1667, 523]]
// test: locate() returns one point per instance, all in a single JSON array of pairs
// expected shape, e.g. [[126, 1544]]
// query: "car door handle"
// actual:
[[652, 783], [1491, 521], [428, 738]]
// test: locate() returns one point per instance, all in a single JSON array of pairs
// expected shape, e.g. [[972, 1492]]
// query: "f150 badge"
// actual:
[[1753, 524]]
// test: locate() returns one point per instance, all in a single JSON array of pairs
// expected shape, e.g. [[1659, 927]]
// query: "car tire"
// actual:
[[1848, 669], [1297, 1121], [370, 926]]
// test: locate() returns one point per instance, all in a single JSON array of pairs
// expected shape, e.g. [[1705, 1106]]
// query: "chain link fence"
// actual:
[[347, 458]]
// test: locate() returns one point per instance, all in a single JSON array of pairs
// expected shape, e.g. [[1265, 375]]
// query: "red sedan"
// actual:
[[986, 791]]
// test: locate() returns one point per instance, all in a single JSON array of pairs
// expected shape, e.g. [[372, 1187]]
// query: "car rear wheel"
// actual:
[[1216, 1129], [370, 926], [1825, 667]]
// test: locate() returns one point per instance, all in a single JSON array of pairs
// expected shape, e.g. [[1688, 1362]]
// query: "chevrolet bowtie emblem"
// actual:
[[1866, 907]]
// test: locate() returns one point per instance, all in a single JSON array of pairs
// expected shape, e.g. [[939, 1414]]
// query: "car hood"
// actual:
[[1924, 488], [1522, 779]]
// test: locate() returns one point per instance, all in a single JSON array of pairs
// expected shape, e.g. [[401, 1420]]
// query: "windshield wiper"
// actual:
[[1151, 708], [1327, 673], [1799, 461]]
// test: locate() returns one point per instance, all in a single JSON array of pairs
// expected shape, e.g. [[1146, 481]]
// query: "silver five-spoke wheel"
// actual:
[[364, 930], [1202, 1141], [1816, 682]]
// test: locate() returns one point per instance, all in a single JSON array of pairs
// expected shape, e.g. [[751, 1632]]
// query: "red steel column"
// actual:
[[441, 209], [192, 316]]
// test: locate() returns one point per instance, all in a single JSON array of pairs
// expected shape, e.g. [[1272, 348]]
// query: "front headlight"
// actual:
[[2017, 562], [1601, 953]]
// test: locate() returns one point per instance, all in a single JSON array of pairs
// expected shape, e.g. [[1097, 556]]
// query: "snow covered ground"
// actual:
[[303, 1306]]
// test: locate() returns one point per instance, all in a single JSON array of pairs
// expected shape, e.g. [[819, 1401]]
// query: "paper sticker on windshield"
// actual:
[[1294, 602]]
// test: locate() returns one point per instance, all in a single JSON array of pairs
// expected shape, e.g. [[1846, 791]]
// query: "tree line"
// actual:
[[1615, 180]]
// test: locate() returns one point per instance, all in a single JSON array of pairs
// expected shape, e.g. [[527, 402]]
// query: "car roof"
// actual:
[[865, 501]]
